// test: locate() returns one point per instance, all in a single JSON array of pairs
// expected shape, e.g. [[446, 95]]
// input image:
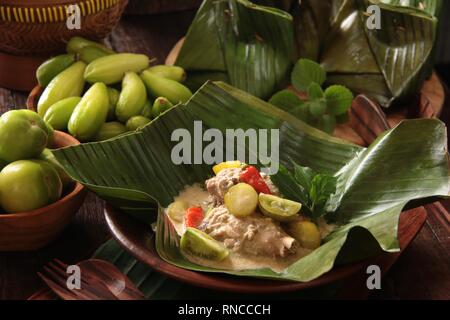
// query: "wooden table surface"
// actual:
[[422, 272]]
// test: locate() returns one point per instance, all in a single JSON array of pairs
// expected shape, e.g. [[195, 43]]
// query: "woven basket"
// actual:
[[38, 27]]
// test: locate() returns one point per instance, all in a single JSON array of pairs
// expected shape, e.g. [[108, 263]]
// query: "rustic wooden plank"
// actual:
[[423, 270], [12, 100], [356, 287], [439, 221], [420, 273], [20, 99], [6, 100], [154, 36]]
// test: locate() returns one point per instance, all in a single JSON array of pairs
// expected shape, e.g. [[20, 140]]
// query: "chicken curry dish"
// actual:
[[237, 220]]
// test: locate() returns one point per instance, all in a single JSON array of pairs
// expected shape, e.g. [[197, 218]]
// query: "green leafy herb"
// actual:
[[306, 186], [319, 109], [339, 98], [286, 100], [307, 72], [322, 187], [315, 91]]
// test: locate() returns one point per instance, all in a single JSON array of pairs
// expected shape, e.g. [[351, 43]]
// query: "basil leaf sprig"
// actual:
[[311, 189], [320, 108]]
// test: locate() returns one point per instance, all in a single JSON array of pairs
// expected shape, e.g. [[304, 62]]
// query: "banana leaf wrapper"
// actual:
[[246, 45], [250, 45], [388, 64], [407, 164]]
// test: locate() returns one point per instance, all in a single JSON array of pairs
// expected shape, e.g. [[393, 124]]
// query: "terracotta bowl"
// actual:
[[33, 98], [33, 30], [33, 230]]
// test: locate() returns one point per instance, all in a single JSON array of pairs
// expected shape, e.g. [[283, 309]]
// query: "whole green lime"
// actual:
[[28, 185], [23, 135]]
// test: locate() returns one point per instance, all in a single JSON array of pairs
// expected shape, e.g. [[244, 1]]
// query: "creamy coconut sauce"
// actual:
[[237, 261], [195, 195]]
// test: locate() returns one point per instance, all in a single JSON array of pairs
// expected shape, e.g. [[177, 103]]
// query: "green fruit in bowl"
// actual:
[[52, 67], [76, 44], [160, 105], [110, 130], [112, 68], [58, 115], [90, 113], [69, 83], [48, 156], [23, 135], [173, 91], [28, 185], [169, 72], [147, 109], [132, 97], [114, 95], [91, 53], [136, 122]]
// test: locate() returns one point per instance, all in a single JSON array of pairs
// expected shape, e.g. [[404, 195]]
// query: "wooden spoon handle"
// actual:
[[367, 119]]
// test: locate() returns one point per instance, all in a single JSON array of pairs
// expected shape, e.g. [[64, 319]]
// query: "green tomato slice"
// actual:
[[278, 208], [197, 243]]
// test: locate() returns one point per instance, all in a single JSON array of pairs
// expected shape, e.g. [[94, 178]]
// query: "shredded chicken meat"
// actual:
[[255, 234], [219, 185]]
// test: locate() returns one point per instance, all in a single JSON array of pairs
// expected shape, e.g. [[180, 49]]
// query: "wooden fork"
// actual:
[[55, 276]]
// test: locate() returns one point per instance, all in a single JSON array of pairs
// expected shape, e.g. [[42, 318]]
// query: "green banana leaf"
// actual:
[[236, 41], [389, 64], [408, 163]]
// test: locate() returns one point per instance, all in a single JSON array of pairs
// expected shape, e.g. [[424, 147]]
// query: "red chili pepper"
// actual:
[[251, 176], [193, 217]]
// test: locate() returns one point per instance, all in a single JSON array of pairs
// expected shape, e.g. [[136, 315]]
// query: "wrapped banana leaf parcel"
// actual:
[[379, 48], [330, 202], [383, 49], [244, 44]]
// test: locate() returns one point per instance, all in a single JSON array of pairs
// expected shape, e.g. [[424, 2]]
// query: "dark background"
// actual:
[[443, 45]]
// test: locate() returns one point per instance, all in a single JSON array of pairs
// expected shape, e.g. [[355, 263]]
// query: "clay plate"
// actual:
[[138, 239]]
